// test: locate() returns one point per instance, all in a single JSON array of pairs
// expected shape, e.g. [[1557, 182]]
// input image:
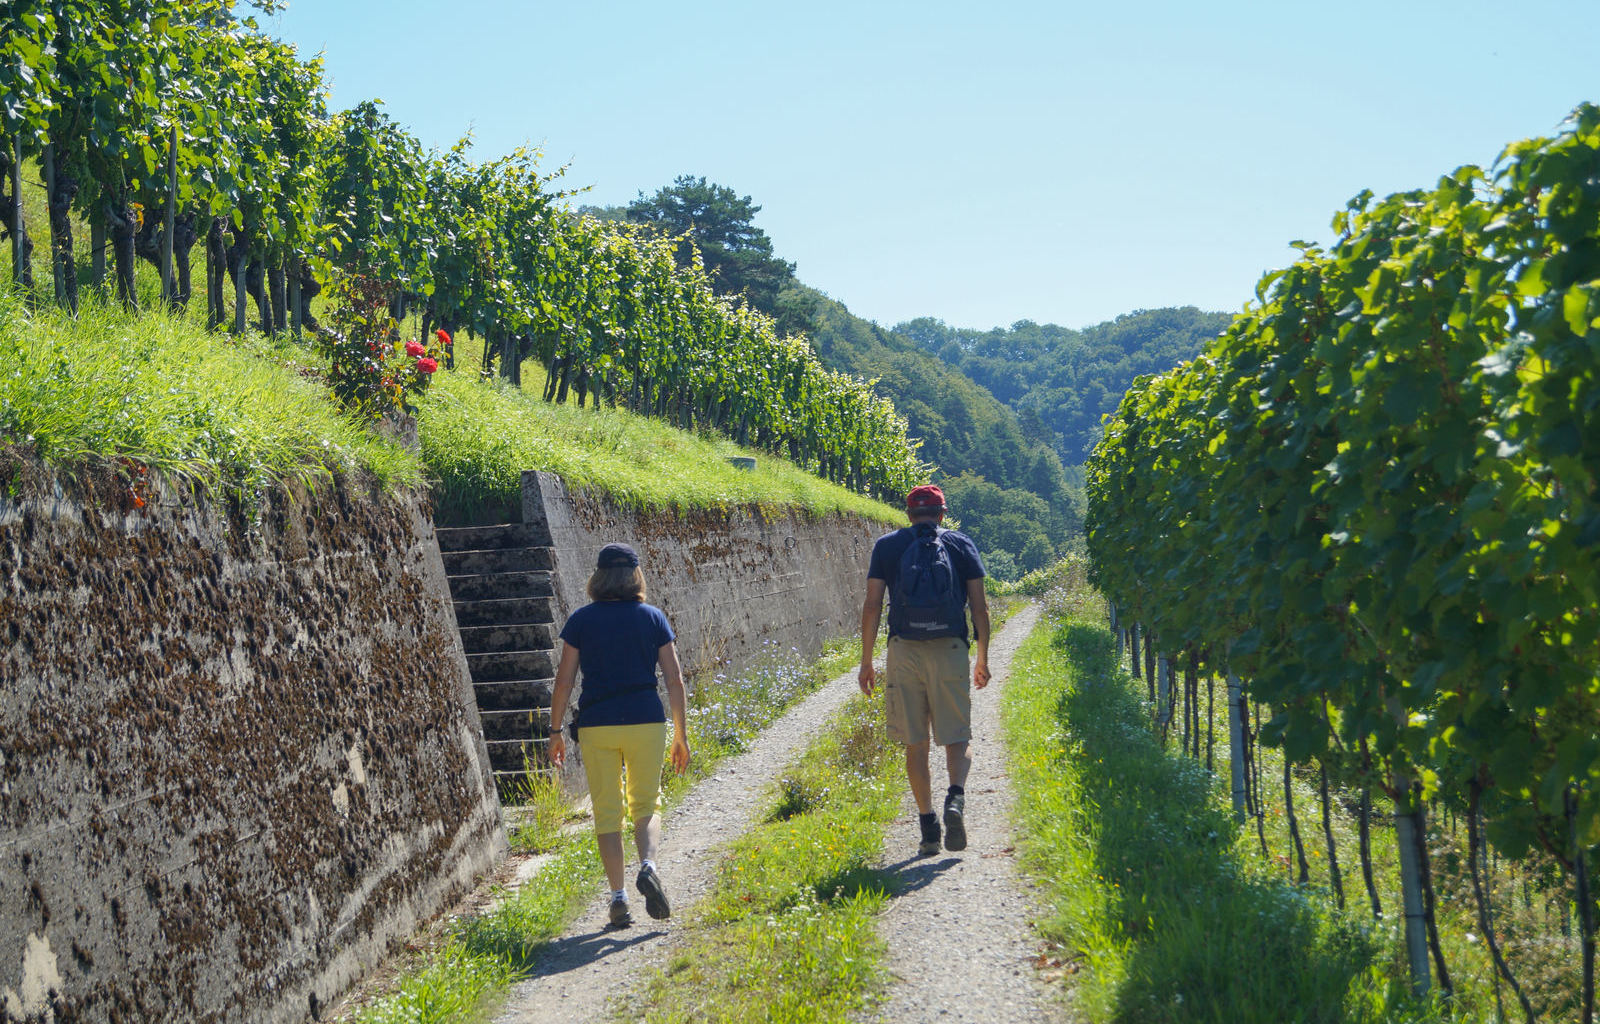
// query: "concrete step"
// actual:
[[515, 755], [506, 535], [521, 724], [501, 585], [497, 560], [518, 637], [503, 665], [508, 611], [513, 694]]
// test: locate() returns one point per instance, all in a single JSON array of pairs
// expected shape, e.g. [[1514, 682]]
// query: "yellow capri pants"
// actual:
[[607, 751]]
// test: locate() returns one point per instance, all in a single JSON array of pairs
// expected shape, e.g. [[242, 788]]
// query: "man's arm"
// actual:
[[871, 615], [980, 628]]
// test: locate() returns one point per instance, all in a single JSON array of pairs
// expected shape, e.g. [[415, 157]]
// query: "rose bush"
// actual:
[[371, 370]]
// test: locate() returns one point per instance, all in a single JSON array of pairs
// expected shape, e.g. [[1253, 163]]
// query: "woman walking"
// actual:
[[618, 641]]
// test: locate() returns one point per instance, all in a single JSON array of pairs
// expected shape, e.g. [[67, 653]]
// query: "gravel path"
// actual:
[[969, 903], [578, 974], [960, 947]]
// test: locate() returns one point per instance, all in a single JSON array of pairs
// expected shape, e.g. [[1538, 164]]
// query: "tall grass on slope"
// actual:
[[1148, 889], [478, 437], [156, 390]]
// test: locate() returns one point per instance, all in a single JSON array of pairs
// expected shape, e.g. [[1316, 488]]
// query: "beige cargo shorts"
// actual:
[[926, 685]]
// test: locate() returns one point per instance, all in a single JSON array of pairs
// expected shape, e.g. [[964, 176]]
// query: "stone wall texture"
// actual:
[[733, 582], [239, 761]]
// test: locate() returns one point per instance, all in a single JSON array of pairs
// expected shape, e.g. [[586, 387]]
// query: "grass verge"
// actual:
[[789, 930], [1151, 899]]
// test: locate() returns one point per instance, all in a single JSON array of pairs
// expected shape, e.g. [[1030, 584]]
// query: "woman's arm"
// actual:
[[667, 658], [566, 675]]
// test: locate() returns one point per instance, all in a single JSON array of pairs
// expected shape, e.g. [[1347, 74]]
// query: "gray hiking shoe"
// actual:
[[655, 896], [621, 916], [955, 826], [930, 838]]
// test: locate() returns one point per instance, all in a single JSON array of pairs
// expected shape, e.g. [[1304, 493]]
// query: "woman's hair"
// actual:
[[624, 583]]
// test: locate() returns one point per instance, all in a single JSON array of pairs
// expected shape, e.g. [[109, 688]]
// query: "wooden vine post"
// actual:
[[170, 225], [1236, 766], [48, 169], [19, 252]]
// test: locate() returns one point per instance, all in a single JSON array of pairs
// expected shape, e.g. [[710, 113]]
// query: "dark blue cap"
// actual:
[[617, 556]]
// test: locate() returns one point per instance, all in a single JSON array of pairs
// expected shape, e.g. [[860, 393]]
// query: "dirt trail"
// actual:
[[960, 947], [579, 975]]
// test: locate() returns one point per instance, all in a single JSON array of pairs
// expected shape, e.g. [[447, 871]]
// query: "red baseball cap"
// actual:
[[928, 496]]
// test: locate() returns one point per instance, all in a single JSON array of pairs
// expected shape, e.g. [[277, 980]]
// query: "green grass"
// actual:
[[153, 391], [478, 437], [1157, 893], [159, 390], [1148, 895], [789, 930]]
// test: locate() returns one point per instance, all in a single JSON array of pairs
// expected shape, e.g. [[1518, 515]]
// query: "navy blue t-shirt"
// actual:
[[885, 564], [617, 644]]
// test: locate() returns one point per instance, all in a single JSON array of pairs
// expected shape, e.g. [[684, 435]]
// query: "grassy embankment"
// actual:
[[1163, 908], [158, 390]]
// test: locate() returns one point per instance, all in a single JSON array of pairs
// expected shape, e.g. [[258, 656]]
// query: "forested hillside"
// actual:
[[1004, 415], [1061, 381], [1008, 489]]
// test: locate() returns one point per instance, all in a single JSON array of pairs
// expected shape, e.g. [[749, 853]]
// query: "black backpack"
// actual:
[[929, 598]]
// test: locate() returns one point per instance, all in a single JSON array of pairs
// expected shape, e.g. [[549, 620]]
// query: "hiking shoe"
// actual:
[[655, 897], [955, 827], [930, 838], [621, 916]]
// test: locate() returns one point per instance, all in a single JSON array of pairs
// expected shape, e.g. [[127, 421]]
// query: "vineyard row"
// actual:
[[1375, 500], [166, 124]]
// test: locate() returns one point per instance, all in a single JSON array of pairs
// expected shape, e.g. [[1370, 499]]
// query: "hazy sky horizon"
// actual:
[[982, 166]]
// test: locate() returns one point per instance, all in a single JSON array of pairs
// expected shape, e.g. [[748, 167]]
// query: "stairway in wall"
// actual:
[[502, 587]]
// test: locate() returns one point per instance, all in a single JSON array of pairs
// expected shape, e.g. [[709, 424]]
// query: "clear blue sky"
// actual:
[[985, 163]]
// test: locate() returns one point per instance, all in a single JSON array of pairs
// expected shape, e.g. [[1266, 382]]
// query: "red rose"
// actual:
[[443, 336], [427, 365], [414, 348]]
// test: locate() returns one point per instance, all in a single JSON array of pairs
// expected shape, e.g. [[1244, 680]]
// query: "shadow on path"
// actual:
[[916, 872], [575, 952]]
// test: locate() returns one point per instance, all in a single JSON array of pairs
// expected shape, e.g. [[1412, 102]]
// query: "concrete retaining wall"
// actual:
[[238, 762], [730, 581]]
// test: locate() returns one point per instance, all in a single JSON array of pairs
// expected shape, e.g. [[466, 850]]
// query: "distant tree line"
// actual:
[[1061, 381]]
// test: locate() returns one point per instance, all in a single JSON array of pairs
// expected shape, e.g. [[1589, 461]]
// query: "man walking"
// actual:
[[931, 575]]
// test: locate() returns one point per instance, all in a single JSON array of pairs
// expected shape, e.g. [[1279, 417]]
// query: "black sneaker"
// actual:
[[621, 916], [930, 837], [955, 828], [655, 897]]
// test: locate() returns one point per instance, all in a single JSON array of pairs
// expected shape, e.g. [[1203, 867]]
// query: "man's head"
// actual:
[[925, 504]]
